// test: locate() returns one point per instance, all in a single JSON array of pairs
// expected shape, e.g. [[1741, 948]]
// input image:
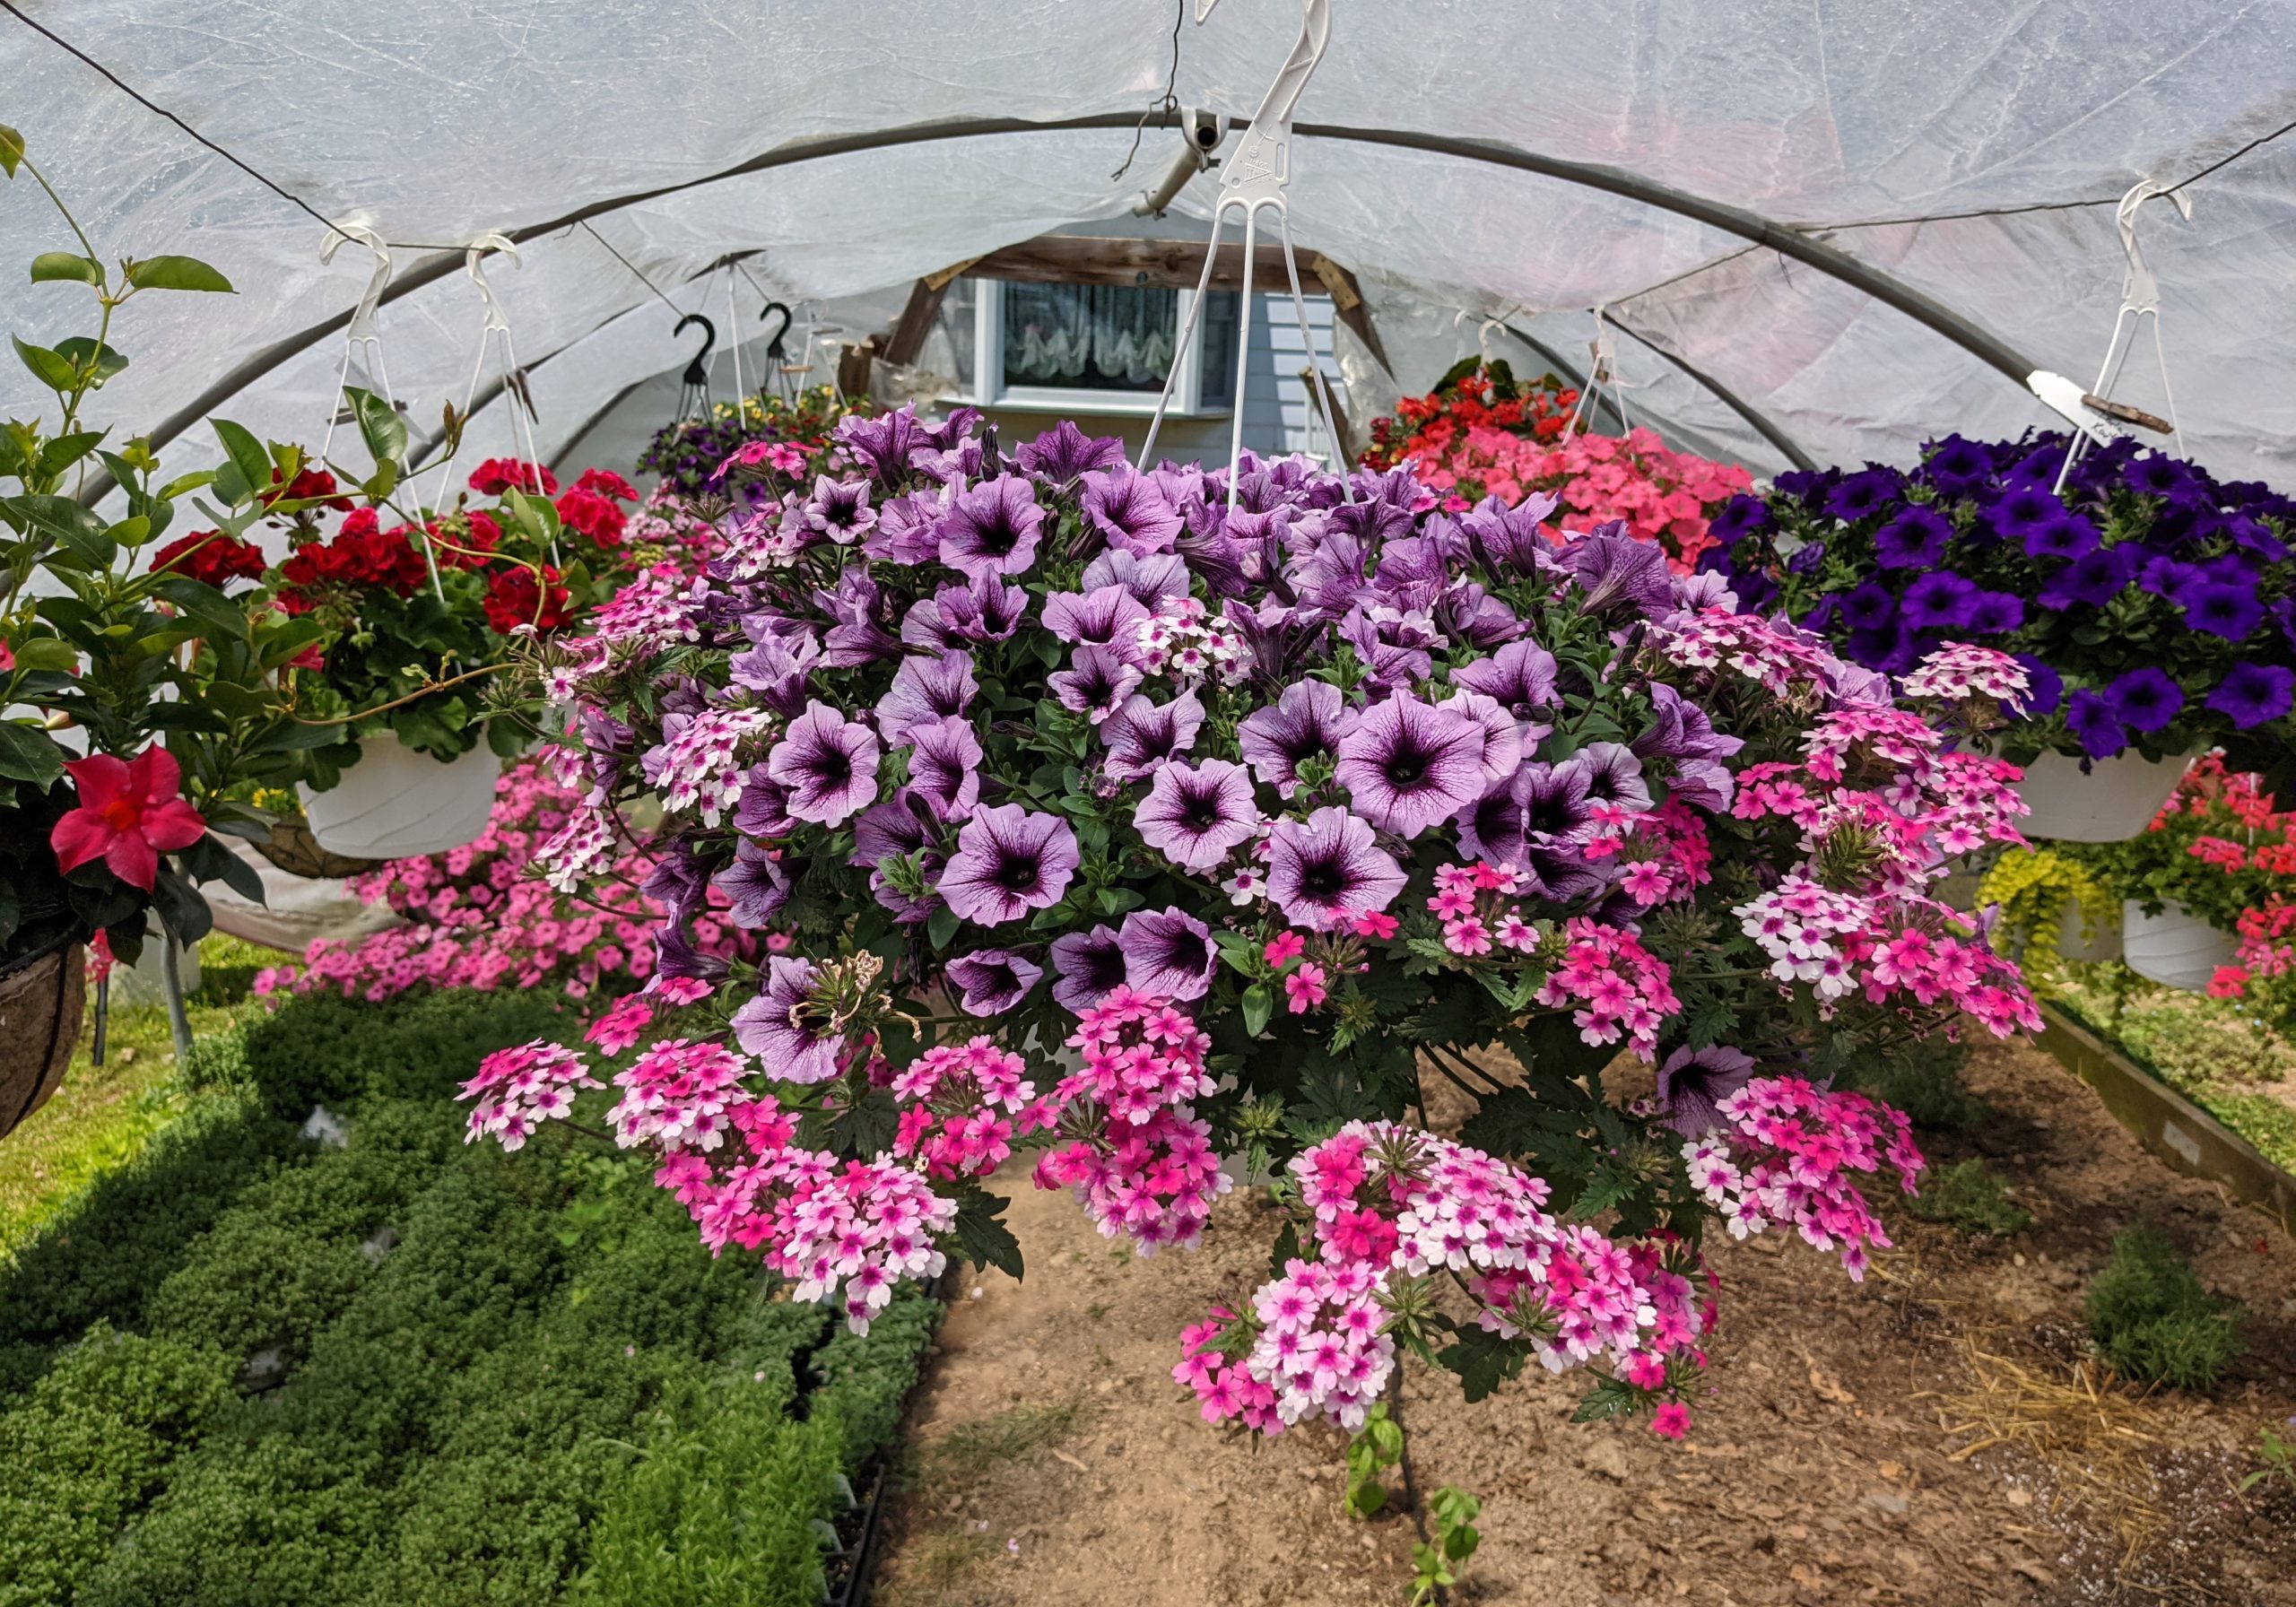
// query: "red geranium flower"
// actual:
[[129, 815], [310, 485], [606, 483], [211, 557], [499, 474], [481, 534], [593, 516], [514, 598]]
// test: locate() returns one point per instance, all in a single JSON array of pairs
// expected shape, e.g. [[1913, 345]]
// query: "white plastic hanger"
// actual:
[[498, 322], [1252, 180], [2140, 299]]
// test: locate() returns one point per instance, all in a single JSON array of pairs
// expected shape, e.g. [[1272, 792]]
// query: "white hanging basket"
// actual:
[[395, 804], [2115, 800], [2175, 948], [2071, 943]]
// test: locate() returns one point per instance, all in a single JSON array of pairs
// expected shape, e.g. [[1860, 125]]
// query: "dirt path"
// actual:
[[1056, 1464]]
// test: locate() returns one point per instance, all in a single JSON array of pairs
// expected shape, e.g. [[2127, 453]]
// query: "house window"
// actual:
[[1079, 348]]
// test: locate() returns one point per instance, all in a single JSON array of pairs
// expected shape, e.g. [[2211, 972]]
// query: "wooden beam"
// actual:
[[1166, 264], [1347, 303], [908, 338]]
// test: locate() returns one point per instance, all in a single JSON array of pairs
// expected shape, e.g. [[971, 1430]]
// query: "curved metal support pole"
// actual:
[[1798, 243], [1758, 423]]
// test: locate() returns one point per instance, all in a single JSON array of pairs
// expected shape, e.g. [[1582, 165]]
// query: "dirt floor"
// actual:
[[1830, 1461]]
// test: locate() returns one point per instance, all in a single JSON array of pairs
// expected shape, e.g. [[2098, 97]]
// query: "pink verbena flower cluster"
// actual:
[[676, 1096], [519, 1089], [1621, 989], [1773, 654], [1664, 854], [1842, 942], [1958, 669], [1785, 1159], [695, 767], [1187, 641], [967, 1101]]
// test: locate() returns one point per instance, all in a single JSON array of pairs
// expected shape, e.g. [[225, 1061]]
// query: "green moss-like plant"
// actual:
[[2152, 1320], [1970, 1198]]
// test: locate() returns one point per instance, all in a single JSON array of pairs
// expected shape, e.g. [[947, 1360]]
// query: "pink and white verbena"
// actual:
[[1169, 847]]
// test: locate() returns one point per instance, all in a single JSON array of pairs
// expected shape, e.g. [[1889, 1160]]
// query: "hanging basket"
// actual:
[[2071, 941], [2112, 803], [2175, 948], [295, 850], [41, 1006], [395, 804]]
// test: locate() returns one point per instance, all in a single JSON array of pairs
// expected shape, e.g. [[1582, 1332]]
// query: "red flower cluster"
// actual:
[[591, 515], [499, 475], [514, 598], [211, 557], [312, 485], [361, 554], [479, 535]]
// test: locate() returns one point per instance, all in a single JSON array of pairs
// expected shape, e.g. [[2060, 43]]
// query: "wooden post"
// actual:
[[908, 338]]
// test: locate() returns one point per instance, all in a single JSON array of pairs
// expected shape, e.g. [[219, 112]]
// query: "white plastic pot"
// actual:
[[2175, 948], [395, 804], [2115, 800], [2070, 942]]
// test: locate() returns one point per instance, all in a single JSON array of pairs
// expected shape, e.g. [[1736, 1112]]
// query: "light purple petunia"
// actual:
[[945, 767], [958, 616], [1168, 954], [826, 764], [1329, 868], [763, 808], [925, 689], [1507, 539], [1615, 570], [1131, 511], [1615, 775], [1197, 815], [1141, 735], [1491, 829], [992, 529], [755, 884], [1108, 617], [892, 829], [1408, 765], [1009, 861], [1150, 580], [1087, 967], [1311, 717], [1063, 452], [859, 635], [840, 509], [776, 669], [992, 981], [1502, 735], [908, 531], [1520, 677], [1693, 1082], [1096, 683], [782, 1030]]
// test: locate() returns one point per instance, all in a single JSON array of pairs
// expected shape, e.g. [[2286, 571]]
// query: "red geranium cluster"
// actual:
[[468, 547], [499, 475], [311, 485], [210, 557], [361, 554], [515, 598], [589, 507]]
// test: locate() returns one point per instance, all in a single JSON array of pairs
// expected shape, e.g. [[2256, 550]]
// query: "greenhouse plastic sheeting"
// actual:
[[1971, 149]]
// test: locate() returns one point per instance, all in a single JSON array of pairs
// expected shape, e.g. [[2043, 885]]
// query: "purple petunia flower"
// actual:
[[1063, 452], [1096, 683], [926, 688], [1679, 729], [1491, 828], [1938, 601], [1520, 676], [1142, 736], [992, 529], [1507, 540], [1692, 1083], [1994, 613], [858, 636], [763, 808], [2251, 694], [828, 765], [908, 531], [1407, 766], [890, 830], [1867, 607], [840, 509], [1329, 868], [2023, 509], [1502, 736], [1009, 860], [2146, 699], [756, 885], [2231, 612], [2067, 537], [1311, 717], [1087, 967], [958, 616], [1167, 954], [992, 981], [2093, 577], [1865, 493], [2091, 720], [1150, 580], [777, 669], [1613, 775], [1131, 511], [944, 767], [1914, 540], [2046, 688], [1615, 570], [1958, 467], [884, 442], [1197, 815], [1107, 617], [780, 1029]]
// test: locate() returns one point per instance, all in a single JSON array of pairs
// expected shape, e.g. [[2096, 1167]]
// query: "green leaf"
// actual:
[[181, 910], [51, 267], [1258, 1005], [380, 426], [45, 652], [175, 274], [942, 927], [208, 860], [292, 736], [204, 603], [28, 753], [1483, 1360], [1608, 1399], [11, 149], [65, 450], [51, 369], [65, 520], [981, 1235], [85, 353], [247, 456]]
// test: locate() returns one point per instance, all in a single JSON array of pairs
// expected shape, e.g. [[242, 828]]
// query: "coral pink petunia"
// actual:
[[129, 815]]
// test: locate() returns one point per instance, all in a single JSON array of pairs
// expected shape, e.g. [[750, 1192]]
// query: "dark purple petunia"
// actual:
[[1491, 828], [2094, 578], [1063, 453], [776, 669], [1150, 580], [1867, 607], [926, 688], [838, 509], [1520, 676], [2231, 612], [1328, 869], [1107, 617], [992, 981], [2146, 699], [2251, 694], [1167, 954], [676, 884], [755, 884], [783, 1031], [676, 958], [945, 767], [960, 616], [1958, 467], [1097, 682], [1914, 540], [1740, 516], [2067, 537], [1555, 799], [2157, 474], [763, 807], [1615, 570], [2091, 720], [1861, 495], [992, 529], [1407, 766], [1939, 601], [1692, 1083], [1009, 861], [2045, 691], [1086, 967], [826, 764], [1311, 717], [1197, 815], [1131, 511], [2023, 509], [1994, 613], [1141, 735]]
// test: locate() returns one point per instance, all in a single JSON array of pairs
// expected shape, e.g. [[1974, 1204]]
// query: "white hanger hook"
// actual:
[[2139, 291], [473, 255], [362, 320]]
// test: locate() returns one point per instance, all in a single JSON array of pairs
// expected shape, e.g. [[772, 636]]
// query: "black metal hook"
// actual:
[[775, 351], [697, 372]]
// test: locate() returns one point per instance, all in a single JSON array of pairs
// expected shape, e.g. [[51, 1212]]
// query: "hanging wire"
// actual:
[[634, 272], [1168, 106]]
